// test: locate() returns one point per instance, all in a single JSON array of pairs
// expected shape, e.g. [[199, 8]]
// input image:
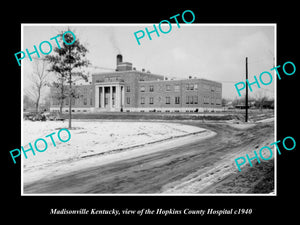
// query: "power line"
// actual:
[[246, 99]]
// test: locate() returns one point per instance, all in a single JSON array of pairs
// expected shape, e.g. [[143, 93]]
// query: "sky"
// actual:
[[210, 51]]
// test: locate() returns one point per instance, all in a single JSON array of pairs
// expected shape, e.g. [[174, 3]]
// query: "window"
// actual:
[[142, 100], [127, 88], [128, 100], [91, 101], [151, 88], [191, 99], [195, 99], [206, 87], [167, 100], [191, 87], [168, 87], [85, 101], [151, 100], [177, 88], [177, 100], [206, 99], [142, 89]]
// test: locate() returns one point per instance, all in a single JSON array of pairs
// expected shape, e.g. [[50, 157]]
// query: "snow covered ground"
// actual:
[[89, 138]]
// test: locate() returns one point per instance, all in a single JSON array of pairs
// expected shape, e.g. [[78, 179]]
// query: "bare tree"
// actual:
[[39, 81], [59, 90]]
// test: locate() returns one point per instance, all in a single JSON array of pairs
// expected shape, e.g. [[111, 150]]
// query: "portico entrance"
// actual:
[[109, 97]]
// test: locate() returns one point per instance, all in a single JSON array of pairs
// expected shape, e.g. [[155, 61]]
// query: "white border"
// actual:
[[147, 24]]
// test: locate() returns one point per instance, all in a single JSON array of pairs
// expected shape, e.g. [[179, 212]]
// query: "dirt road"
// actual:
[[190, 168]]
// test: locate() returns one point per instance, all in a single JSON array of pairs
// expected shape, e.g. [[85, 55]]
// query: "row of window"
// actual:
[[191, 87], [188, 100], [66, 101], [85, 100], [188, 87]]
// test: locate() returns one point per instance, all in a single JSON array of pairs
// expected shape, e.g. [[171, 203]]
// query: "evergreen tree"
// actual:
[[67, 62]]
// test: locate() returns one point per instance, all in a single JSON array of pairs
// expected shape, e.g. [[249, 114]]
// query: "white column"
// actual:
[[117, 100], [110, 97], [123, 96], [97, 97], [102, 97]]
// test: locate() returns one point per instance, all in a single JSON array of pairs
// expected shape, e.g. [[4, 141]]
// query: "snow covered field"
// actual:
[[89, 138]]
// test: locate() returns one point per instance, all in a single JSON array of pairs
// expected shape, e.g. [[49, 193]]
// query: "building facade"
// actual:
[[129, 90]]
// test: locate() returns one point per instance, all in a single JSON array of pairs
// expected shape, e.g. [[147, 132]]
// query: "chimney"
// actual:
[[123, 66], [119, 59]]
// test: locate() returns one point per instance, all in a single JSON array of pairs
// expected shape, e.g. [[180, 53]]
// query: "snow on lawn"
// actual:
[[88, 138]]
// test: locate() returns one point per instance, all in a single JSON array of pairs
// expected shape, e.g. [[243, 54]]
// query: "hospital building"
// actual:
[[129, 90]]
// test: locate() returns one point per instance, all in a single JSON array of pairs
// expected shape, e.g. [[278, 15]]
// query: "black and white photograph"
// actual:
[[137, 112], [160, 118]]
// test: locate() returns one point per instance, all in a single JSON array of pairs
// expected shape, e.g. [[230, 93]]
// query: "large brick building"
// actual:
[[127, 89]]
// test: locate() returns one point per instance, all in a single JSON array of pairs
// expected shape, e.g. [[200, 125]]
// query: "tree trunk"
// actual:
[[70, 101], [70, 91], [37, 106], [61, 98], [60, 108], [37, 101]]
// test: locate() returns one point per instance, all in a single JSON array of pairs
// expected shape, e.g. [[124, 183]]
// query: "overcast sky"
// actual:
[[215, 52]]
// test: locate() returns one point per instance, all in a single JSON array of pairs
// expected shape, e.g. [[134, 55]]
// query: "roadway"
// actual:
[[179, 169]]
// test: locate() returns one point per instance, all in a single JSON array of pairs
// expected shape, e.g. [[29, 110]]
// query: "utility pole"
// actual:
[[246, 98]]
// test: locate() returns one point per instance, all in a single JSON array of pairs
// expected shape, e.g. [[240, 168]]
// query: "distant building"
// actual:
[[266, 104], [128, 89]]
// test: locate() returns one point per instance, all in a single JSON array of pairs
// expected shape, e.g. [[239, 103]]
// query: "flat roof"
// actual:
[[181, 80], [125, 71]]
